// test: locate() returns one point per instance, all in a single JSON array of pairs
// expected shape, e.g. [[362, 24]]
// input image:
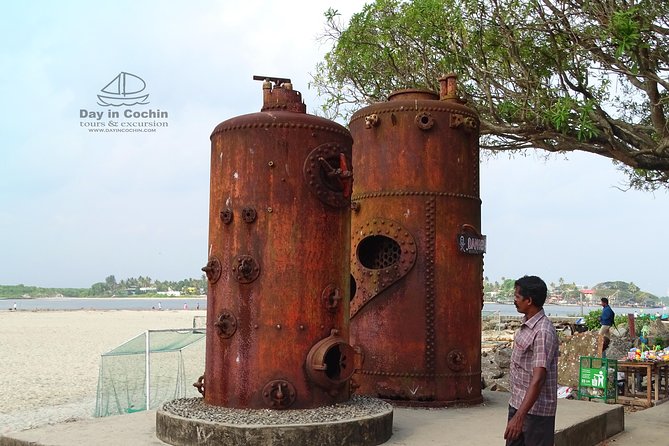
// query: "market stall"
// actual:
[[644, 376]]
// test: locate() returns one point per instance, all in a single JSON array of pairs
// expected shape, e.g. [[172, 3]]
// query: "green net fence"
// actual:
[[153, 367]]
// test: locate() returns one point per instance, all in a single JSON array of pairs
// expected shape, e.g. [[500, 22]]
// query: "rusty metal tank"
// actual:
[[278, 260], [417, 250]]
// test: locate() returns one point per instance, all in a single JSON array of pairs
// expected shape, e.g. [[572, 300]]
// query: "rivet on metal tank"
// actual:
[[416, 299]]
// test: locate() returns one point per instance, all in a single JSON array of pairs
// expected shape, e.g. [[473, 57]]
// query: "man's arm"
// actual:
[[515, 425]]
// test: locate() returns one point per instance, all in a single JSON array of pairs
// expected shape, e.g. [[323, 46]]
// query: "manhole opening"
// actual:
[[378, 252], [333, 360], [331, 182]]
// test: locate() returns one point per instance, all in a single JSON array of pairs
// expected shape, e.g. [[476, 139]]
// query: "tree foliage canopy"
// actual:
[[557, 75]]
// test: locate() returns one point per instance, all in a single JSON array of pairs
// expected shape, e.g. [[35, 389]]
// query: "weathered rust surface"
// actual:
[[416, 298], [278, 266]]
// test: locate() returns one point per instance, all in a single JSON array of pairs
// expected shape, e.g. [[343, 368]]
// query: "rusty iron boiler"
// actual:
[[417, 251], [278, 260]]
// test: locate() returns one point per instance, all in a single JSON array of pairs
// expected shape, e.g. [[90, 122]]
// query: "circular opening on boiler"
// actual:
[[378, 252], [354, 287], [333, 363]]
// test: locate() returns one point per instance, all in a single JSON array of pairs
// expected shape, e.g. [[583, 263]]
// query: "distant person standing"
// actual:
[[606, 319], [533, 370], [14, 306]]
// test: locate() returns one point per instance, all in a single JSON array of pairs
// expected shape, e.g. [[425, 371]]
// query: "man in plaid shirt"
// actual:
[[533, 373]]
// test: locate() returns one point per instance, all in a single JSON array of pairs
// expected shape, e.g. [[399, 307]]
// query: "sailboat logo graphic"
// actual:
[[124, 89]]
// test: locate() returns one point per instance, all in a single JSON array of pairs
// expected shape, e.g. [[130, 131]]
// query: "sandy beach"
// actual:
[[49, 360]]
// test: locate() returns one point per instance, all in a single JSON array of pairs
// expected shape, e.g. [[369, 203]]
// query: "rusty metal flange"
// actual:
[[331, 297], [199, 385], [424, 120], [279, 394], [327, 187], [245, 268], [226, 324], [371, 120], [226, 216], [383, 252], [468, 123], [249, 215], [331, 361], [456, 360], [213, 269]]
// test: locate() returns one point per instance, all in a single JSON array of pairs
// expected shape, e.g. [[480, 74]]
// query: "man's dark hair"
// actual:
[[533, 287], [605, 300]]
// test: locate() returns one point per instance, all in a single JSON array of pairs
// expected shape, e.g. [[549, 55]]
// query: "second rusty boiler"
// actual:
[[278, 268], [416, 256]]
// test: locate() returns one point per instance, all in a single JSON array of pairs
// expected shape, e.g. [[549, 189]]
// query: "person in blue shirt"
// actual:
[[606, 319]]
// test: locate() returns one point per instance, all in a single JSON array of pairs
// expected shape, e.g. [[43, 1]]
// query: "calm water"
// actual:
[[566, 310], [112, 303], [177, 303]]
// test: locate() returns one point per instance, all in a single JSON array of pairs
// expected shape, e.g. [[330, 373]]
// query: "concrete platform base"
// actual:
[[359, 422], [578, 423]]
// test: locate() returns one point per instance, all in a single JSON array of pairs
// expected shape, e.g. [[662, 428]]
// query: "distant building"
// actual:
[[133, 290], [588, 295]]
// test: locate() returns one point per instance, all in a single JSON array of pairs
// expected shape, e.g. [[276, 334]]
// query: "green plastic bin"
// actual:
[[597, 378]]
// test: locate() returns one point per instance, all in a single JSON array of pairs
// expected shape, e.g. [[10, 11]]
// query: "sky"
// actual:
[[77, 206]]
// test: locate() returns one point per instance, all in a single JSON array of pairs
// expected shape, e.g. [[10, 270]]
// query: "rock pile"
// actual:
[[495, 364], [497, 344]]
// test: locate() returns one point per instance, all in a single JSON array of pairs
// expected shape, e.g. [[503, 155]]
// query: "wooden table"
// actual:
[[657, 375]]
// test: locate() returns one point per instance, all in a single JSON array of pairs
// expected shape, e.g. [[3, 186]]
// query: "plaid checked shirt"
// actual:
[[535, 345]]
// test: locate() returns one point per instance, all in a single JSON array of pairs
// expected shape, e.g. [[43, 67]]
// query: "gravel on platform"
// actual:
[[356, 407]]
